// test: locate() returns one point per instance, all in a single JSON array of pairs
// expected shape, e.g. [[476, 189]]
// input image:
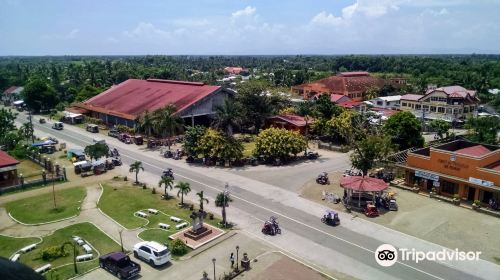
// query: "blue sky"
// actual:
[[135, 27]]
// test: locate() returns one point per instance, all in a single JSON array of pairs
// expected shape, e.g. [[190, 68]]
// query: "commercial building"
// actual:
[[8, 170], [452, 103], [351, 84], [468, 169], [124, 103]]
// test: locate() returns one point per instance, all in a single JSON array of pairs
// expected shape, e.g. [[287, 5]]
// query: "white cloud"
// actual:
[[348, 11], [435, 13], [324, 18], [247, 11], [146, 29], [72, 34]]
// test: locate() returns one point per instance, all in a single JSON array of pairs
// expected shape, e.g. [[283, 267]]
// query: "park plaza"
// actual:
[[471, 170]]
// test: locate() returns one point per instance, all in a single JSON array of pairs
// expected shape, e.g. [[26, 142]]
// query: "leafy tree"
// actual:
[[136, 167], [325, 108], [10, 140], [228, 116], [222, 200], [39, 95], [201, 199], [87, 92], [405, 130], [96, 151], [26, 131], [168, 182], [145, 123], [370, 150], [184, 189], [214, 144], [441, 127], [273, 143], [166, 122], [483, 129], [7, 118], [192, 136], [371, 93]]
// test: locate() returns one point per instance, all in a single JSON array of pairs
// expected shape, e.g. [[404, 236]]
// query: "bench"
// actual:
[[15, 257], [80, 242], [84, 257], [175, 219], [181, 225], [44, 268], [87, 248], [153, 211], [28, 248], [164, 226], [141, 214]]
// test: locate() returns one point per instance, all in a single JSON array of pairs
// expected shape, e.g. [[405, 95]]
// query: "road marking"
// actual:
[[267, 209]]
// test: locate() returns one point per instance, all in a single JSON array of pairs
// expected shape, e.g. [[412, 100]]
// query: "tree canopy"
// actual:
[[405, 130], [483, 129], [97, 150], [38, 95], [278, 143]]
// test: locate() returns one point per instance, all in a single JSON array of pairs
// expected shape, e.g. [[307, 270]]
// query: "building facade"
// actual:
[[453, 103], [387, 102], [468, 169]]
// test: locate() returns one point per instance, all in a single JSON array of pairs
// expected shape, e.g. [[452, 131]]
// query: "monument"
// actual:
[[198, 231]]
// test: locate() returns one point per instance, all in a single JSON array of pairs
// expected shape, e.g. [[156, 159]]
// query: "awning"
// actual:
[[363, 184], [18, 102], [43, 143]]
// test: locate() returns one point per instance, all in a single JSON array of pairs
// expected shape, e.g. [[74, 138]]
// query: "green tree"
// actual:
[[26, 131], [217, 145], [441, 127], [136, 167], [278, 143], [168, 182], [405, 130], [145, 123], [184, 189], [201, 199], [191, 140], [483, 129], [222, 200], [166, 122], [228, 116], [370, 150], [87, 92], [7, 118], [96, 151], [38, 95]]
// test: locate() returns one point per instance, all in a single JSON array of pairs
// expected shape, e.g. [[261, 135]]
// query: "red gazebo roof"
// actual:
[[363, 184]]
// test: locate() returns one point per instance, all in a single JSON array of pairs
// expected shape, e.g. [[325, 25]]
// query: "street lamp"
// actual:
[[225, 194], [237, 260], [213, 260]]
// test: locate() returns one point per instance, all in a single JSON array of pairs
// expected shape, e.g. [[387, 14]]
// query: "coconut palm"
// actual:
[[222, 200], [136, 167], [165, 120], [202, 199], [228, 116], [184, 189], [168, 182], [145, 123]]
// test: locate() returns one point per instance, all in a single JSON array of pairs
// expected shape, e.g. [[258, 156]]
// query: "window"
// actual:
[[433, 108], [448, 110], [418, 106], [466, 109], [146, 249], [426, 108], [403, 104], [440, 109], [449, 187], [380, 103]]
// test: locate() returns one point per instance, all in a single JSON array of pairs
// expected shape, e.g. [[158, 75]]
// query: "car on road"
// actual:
[[152, 252], [92, 128], [58, 126], [119, 264], [113, 133]]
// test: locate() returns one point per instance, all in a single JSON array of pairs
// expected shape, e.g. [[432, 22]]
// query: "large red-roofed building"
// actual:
[[8, 170], [125, 102]]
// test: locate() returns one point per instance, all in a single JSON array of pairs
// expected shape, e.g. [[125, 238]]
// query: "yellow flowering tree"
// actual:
[[273, 143]]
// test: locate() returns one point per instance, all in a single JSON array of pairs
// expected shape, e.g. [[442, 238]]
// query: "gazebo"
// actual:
[[361, 185]]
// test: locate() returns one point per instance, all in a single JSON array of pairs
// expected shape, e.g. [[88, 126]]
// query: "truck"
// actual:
[[119, 264]]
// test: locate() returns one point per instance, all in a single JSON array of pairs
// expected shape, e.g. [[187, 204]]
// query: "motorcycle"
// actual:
[[271, 227], [168, 173], [322, 179], [168, 154], [311, 155], [331, 218]]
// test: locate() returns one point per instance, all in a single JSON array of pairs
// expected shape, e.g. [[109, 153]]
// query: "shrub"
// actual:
[[477, 202], [178, 247], [153, 191], [211, 216], [53, 252]]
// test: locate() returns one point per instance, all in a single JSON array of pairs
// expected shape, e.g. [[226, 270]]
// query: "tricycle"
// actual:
[[322, 179], [271, 227], [331, 218]]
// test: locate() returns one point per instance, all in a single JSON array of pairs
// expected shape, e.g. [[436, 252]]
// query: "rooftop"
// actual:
[[468, 148], [390, 98], [476, 151], [293, 119], [133, 97], [411, 97], [6, 160]]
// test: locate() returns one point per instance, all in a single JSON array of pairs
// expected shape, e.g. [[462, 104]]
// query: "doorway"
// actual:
[[471, 193]]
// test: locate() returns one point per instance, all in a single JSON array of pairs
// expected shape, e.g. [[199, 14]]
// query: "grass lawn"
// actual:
[[10, 245], [121, 200], [248, 148], [29, 169], [100, 241], [39, 209]]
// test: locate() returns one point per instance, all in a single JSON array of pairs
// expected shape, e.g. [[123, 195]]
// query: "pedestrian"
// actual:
[[231, 259]]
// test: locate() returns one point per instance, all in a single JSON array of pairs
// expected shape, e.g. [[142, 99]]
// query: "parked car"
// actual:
[[58, 126], [92, 128], [113, 133], [119, 264], [138, 140], [152, 252], [41, 120]]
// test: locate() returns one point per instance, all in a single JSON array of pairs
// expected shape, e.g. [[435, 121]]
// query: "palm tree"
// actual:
[[166, 120], [202, 199], [222, 200], [184, 189], [145, 123], [136, 167], [168, 182], [228, 116], [26, 131]]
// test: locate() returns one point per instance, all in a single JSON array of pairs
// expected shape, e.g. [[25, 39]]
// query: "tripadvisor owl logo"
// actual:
[[386, 255]]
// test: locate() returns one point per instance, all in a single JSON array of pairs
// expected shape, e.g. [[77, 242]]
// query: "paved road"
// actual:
[[337, 248]]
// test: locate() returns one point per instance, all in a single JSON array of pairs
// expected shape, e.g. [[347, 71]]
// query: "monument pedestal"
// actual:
[[198, 234]]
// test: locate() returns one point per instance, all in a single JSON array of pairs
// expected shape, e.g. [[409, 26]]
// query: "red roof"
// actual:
[[411, 97], [233, 70], [350, 104], [363, 184], [11, 89], [293, 119], [475, 151], [335, 97], [355, 73], [6, 160], [133, 97]]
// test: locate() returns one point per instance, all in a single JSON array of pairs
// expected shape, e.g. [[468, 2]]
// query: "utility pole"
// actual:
[[53, 189]]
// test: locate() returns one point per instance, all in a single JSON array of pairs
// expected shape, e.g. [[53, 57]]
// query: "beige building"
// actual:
[[452, 103]]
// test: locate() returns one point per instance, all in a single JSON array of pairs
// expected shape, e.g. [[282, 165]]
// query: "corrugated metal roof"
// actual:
[[6, 160]]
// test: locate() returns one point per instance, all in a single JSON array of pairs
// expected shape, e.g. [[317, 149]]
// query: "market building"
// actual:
[[124, 103], [8, 170], [468, 169]]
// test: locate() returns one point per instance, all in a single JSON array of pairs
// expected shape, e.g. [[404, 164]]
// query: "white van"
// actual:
[[152, 252], [58, 126]]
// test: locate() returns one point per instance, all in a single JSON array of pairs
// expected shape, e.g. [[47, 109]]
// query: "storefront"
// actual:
[[460, 167]]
